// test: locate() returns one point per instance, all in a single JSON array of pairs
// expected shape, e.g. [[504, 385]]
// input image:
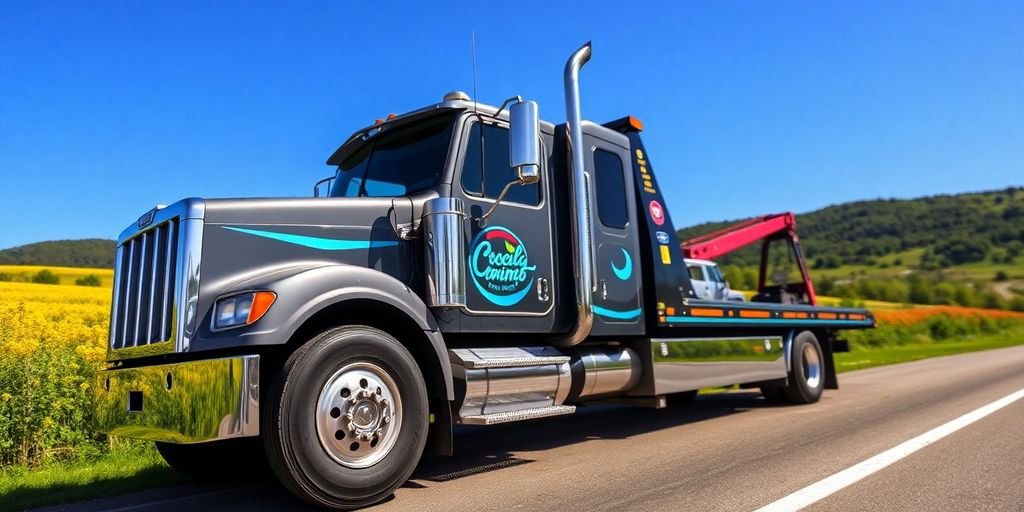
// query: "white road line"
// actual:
[[824, 488]]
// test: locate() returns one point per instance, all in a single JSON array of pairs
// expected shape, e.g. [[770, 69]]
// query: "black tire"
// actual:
[[773, 394], [220, 461], [299, 457], [807, 370]]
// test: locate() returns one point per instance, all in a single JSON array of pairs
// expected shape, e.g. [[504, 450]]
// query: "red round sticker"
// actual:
[[657, 213]]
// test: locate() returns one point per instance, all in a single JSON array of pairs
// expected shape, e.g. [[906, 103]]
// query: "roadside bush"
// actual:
[[89, 280], [44, 276], [922, 325], [52, 339]]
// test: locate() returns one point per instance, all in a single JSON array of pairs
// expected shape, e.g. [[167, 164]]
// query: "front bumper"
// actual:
[[189, 402]]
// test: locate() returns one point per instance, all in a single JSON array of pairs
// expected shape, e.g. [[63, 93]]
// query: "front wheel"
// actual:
[[347, 418]]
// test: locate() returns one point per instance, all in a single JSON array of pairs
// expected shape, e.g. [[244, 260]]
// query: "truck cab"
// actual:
[[467, 265], [516, 274]]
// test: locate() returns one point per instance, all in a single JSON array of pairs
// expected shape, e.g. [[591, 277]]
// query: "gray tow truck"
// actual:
[[468, 264]]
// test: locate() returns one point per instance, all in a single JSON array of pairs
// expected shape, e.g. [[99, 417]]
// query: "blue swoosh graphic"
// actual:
[[323, 244], [617, 315], [626, 270]]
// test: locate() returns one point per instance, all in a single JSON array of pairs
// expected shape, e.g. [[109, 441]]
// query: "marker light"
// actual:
[[636, 123], [241, 309]]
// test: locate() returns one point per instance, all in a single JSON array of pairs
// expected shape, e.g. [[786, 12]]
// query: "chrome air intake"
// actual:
[[583, 251], [445, 255]]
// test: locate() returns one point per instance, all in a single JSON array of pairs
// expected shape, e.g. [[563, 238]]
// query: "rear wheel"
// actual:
[[347, 418], [807, 370]]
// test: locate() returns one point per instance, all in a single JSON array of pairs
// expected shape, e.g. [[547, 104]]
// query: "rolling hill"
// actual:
[[965, 249], [934, 232], [93, 253]]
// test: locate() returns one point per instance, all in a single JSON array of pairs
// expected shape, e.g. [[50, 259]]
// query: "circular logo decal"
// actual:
[[500, 266], [657, 213]]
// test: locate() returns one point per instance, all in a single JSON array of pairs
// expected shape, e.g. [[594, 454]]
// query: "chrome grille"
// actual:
[[144, 294]]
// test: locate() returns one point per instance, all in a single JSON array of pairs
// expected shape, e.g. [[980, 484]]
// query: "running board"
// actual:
[[511, 383], [520, 415], [478, 358]]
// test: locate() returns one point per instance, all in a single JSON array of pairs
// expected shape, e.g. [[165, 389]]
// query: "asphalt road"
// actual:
[[724, 452]]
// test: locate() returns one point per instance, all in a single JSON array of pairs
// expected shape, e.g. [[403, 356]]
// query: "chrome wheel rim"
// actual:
[[812, 366], [359, 415]]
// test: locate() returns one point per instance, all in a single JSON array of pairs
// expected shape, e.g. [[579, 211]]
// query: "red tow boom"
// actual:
[[764, 229]]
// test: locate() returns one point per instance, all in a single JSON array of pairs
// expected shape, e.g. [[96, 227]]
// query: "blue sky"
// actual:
[[107, 108]]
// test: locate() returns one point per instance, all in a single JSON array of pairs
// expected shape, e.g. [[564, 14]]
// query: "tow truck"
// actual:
[[467, 265]]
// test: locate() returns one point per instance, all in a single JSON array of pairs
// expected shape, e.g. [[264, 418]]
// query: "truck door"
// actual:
[[716, 283], [510, 287], [698, 280], [617, 307]]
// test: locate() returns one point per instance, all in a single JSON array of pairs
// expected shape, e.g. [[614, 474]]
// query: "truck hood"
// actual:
[[246, 241]]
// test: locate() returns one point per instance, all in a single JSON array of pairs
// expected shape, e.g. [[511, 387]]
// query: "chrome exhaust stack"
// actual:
[[583, 251]]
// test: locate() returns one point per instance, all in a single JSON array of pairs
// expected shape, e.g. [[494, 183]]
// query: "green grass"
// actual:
[[123, 470], [860, 358]]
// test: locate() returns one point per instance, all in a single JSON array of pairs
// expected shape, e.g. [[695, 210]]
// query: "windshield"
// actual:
[[397, 162]]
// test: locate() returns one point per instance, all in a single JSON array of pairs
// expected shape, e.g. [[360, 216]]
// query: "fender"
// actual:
[[304, 290]]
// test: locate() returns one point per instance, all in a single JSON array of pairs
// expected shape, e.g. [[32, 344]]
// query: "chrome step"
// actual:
[[512, 357], [520, 415], [504, 384]]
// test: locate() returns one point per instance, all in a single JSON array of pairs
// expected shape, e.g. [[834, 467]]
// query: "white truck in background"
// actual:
[[709, 282]]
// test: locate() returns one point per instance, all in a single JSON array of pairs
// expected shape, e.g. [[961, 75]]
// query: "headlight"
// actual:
[[241, 309]]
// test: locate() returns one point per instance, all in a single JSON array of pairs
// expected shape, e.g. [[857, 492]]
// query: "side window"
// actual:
[[714, 274], [696, 272], [486, 169], [611, 189]]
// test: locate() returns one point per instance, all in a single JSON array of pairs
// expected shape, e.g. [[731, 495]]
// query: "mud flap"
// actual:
[[440, 436], [831, 381]]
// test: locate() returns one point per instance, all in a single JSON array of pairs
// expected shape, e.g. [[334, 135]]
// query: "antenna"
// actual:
[[473, 37]]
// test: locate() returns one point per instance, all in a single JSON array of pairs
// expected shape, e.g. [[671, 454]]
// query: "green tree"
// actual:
[[921, 292], [88, 280], [44, 276]]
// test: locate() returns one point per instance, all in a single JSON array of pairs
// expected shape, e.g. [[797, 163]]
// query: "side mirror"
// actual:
[[524, 141], [326, 182]]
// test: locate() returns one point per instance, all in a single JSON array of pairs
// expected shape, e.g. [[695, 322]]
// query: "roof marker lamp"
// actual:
[[241, 309]]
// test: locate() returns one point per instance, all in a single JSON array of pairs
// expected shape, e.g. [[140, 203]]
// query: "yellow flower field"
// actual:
[[52, 338]]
